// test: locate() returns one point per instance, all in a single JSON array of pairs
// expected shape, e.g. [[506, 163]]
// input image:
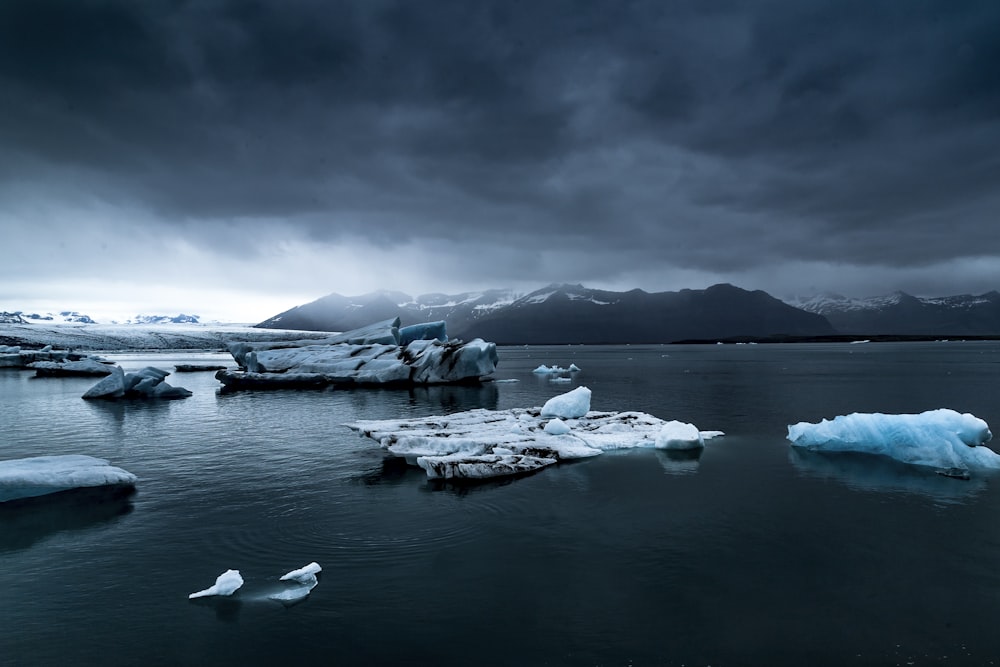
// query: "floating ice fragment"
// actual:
[[303, 573], [227, 583]]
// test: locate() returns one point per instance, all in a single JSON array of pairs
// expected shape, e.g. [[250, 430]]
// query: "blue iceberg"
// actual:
[[942, 439]]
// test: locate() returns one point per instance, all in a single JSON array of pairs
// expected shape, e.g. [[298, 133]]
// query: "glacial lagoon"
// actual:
[[747, 552]]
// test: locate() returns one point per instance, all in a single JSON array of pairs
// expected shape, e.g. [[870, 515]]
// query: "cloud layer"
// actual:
[[335, 146]]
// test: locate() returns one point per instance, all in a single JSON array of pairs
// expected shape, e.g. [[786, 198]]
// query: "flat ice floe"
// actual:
[[479, 444], [42, 475], [943, 439]]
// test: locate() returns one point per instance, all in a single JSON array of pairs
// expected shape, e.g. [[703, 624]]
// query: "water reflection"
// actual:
[[679, 461], [456, 398], [30, 520], [868, 472], [391, 470], [226, 608], [116, 411]]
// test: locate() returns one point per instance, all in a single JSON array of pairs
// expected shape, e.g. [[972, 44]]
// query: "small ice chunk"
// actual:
[[303, 574], [227, 583], [678, 435], [570, 405], [556, 427], [573, 368]]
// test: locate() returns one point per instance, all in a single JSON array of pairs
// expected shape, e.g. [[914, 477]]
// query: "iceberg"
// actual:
[[14, 356], [42, 475], [678, 435], [942, 439], [84, 367], [226, 583], [304, 580], [146, 383], [303, 574], [482, 444], [379, 355], [555, 370], [572, 404]]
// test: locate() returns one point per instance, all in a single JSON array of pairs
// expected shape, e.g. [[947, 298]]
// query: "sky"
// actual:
[[233, 159]]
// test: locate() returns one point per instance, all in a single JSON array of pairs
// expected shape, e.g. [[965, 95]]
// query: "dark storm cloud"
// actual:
[[706, 135]]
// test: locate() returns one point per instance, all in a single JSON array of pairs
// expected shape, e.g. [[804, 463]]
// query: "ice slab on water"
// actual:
[[489, 443], [41, 475], [942, 438]]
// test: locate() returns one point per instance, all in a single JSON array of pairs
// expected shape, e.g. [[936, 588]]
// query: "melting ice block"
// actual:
[[226, 583], [41, 475], [938, 438]]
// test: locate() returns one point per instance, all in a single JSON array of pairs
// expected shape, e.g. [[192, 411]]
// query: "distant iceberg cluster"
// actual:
[[14, 356], [481, 444], [379, 354], [942, 439]]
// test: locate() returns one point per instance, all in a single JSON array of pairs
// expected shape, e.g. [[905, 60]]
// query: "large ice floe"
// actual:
[[480, 444], [379, 354], [943, 439], [146, 383], [42, 475]]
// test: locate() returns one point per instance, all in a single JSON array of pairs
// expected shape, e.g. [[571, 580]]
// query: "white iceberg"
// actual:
[[42, 475], [303, 574], [383, 356], [480, 443], [943, 439], [226, 583], [678, 435], [303, 579], [572, 404], [146, 383], [555, 370], [556, 427]]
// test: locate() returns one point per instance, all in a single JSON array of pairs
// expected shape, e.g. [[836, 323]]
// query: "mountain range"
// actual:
[[73, 317], [569, 314], [903, 314]]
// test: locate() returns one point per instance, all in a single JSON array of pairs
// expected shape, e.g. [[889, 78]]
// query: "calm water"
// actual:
[[750, 555]]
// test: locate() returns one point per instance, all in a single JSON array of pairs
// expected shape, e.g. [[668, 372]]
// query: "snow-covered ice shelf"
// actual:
[[480, 444]]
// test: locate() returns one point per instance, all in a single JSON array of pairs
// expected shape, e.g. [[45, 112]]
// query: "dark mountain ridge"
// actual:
[[560, 314]]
